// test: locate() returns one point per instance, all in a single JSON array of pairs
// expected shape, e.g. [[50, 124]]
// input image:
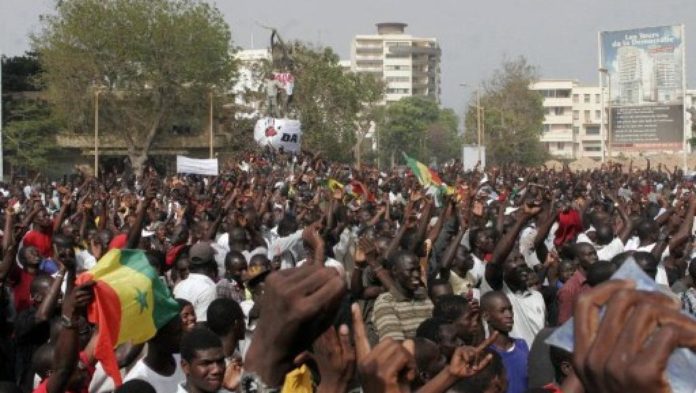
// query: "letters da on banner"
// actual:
[[277, 133]]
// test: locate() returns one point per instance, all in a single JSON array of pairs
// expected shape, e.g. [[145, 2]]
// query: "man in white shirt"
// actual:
[[199, 287], [203, 362], [161, 366], [529, 309]]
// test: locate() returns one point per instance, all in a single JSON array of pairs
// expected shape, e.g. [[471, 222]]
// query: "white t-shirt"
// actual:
[[160, 382], [529, 314], [198, 289]]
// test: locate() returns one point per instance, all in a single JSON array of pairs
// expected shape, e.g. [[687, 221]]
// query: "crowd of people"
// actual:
[[297, 274]]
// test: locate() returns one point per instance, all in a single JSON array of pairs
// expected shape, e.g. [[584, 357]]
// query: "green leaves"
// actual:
[[513, 116], [154, 59]]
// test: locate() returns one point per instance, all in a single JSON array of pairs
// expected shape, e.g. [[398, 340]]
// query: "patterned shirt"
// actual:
[[688, 300], [229, 289], [399, 319]]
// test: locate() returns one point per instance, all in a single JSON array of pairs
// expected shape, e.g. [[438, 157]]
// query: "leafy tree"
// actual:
[[334, 107], [155, 61], [513, 116], [418, 126], [19, 73], [29, 134], [28, 130]]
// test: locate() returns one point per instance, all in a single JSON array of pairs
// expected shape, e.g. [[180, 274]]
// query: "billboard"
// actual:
[[646, 87]]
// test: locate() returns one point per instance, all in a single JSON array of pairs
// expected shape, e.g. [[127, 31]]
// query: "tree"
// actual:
[[513, 116], [334, 107], [28, 129], [418, 126], [155, 62]]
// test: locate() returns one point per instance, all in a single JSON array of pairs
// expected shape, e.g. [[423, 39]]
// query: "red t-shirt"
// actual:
[[40, 240], [43, 387], [20, 290]]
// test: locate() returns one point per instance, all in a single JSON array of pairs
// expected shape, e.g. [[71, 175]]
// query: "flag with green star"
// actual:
[[130, 303]]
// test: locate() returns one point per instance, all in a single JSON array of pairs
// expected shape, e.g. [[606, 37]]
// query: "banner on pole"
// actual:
[[277, 133], [646, 84], [197, 166]]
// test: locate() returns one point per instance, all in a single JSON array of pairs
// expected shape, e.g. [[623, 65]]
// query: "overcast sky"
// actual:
[[559, 36]]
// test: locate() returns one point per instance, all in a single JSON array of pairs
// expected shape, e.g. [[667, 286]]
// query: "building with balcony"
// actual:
[[408, 65], [573, 118]]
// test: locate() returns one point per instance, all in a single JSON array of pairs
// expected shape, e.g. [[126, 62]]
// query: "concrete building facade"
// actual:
[[573, 118], [408, 65]]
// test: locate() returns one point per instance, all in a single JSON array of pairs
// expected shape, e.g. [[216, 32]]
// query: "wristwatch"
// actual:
[[252, 383], [67, 322]]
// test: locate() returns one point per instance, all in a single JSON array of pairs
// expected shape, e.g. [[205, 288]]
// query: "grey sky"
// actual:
[[559, 36]]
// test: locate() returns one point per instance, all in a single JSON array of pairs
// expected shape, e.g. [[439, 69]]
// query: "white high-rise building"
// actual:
[[572, 122], [630, 76], [408, 65]]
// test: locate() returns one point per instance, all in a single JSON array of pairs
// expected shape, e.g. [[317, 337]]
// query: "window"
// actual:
[[397, 91], [576, 115], [592, 148], [587, 98], [597, 99], [558, 111], [394, 67], [547, 128], [597, 114], [560, 145], [576, 130], [576, 98], [587, 116], [592, 130], [398, 79]]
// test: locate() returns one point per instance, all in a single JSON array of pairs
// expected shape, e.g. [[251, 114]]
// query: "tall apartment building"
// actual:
[[409, 66], [572, 122]]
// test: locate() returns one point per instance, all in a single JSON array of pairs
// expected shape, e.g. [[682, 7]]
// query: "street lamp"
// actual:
[[479, 110], [604, 71], [97, 90], [210, 120]]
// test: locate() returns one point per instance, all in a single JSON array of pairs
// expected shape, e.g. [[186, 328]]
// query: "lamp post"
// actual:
[[97, 90], [479, 113], [608, 127], [210, 120]]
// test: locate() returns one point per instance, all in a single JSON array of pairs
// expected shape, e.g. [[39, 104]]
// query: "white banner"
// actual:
[[277, 133], [196, 166]]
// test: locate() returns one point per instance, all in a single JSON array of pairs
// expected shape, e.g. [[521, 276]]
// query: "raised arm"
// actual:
[[67, 345], [494, 271], [135, 231]]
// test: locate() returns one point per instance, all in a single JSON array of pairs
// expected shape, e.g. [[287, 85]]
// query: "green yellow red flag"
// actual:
[[130, 303]]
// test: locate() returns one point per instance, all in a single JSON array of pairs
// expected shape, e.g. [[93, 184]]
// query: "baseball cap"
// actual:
[[201, 253]]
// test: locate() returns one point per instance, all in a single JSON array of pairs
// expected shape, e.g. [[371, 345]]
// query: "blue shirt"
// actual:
[[515, 362]]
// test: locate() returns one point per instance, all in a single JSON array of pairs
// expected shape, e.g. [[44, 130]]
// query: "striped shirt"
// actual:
[[399, 319]]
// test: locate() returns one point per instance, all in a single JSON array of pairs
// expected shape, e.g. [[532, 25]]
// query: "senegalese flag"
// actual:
[[334, 185], [426, 176], [130, 304]]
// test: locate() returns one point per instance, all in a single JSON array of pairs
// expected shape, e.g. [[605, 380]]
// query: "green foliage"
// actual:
[[29, 135], [19, 73], [155, 61], [330, 102], [418, 126], [513, 116]]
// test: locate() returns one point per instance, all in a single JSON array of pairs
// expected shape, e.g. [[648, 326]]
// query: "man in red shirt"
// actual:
[[585, 255]]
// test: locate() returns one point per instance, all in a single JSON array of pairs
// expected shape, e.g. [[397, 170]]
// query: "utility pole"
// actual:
[[478, 121], [210, 120]]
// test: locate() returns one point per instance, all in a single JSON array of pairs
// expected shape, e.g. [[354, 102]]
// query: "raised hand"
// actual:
[[335, 357], [467, 361], [627, 350], [387, 368], [298, 305]]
